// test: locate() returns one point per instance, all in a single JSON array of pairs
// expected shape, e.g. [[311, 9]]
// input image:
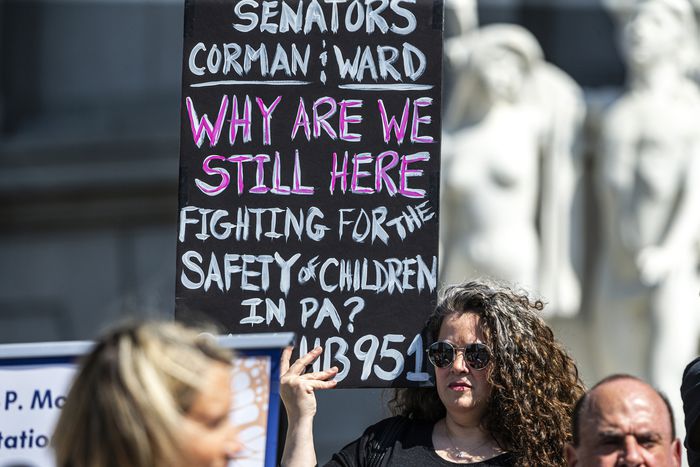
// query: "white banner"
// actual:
[[31, 397], [35, 380]]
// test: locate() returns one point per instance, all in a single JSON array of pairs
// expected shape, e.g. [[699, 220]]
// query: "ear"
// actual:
[[570, 453], [676, 452]]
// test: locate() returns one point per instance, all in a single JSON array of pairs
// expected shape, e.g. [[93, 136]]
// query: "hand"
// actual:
[[655, 263], [297, 388], [568, 293]]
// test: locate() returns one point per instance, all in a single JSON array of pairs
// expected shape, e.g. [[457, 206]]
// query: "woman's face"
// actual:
[[503, 73], [208, 439], [465, 392]]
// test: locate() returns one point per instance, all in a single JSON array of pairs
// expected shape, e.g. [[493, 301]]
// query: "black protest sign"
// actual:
[[309, 176]]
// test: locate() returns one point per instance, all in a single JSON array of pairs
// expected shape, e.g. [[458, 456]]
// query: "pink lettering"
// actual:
[[339, 174], [301, 120], [223, 173], [201, 127], [267, 117], [346, 119], [260, 187], [358, 159], [277, 187], [297, 187], [417, 120], [320, 120], [381, 172], [405, 173], [391, 124], [239, 160], [238, 121]]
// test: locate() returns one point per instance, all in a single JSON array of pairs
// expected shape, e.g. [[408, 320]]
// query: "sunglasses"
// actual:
[[442, 354]]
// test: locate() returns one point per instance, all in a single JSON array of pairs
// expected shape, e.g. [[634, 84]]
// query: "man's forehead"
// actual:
[[628, 406]]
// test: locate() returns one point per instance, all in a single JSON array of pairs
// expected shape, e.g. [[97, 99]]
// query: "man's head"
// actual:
[[623, 421]]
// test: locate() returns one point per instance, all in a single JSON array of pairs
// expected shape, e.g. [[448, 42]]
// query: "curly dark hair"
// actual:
[[535, 382]]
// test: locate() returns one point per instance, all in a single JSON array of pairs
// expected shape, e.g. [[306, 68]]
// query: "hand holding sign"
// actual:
[[297, 387]]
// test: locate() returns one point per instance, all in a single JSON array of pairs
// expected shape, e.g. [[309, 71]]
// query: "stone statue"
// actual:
[[509, 174], [460, 16], [646, 317], [460, 21]]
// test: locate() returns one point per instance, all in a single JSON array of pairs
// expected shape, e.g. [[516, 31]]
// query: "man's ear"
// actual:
[[676, 452], [570, 452]]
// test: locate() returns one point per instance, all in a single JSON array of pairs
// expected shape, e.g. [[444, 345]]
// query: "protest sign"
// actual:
[[309, 176]]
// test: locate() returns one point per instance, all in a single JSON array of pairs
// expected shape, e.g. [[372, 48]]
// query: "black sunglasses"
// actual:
[[442, 354]]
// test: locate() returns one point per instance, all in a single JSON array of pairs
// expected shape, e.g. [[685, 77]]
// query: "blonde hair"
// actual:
[[130, 395]]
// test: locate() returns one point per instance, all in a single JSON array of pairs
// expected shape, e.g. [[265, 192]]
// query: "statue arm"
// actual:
[[657, 261], [560, 175]]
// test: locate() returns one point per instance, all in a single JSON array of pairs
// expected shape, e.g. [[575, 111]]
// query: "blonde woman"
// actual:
[[149, 395]]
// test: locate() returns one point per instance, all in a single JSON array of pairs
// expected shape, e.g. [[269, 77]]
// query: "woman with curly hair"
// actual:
[[503, 396]]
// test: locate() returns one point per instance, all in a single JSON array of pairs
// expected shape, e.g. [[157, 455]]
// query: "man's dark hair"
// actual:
[[578, 408]]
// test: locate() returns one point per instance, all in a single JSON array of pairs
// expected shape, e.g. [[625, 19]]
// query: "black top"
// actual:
[[412, 446]]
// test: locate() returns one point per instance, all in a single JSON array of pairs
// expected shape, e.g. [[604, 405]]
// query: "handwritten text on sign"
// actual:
[[310, 173]]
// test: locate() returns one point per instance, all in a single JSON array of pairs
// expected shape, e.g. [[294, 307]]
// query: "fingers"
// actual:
[[233, 449], [300, 365], [322, 384], [310, 385], [298, 368], [297, 388], [284, 359], [306, 360], [322, 375]]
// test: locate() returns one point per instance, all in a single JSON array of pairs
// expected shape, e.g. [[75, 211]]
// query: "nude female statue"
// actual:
[[508, 166]]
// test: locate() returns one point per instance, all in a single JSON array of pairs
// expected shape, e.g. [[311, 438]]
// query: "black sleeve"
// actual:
[[690, 393], [355, 454]]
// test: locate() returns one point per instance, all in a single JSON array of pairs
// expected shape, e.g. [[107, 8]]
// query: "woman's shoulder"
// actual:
[[381, 441]]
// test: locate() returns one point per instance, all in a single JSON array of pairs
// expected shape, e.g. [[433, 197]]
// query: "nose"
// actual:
[[460, 364], [631, 455]]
